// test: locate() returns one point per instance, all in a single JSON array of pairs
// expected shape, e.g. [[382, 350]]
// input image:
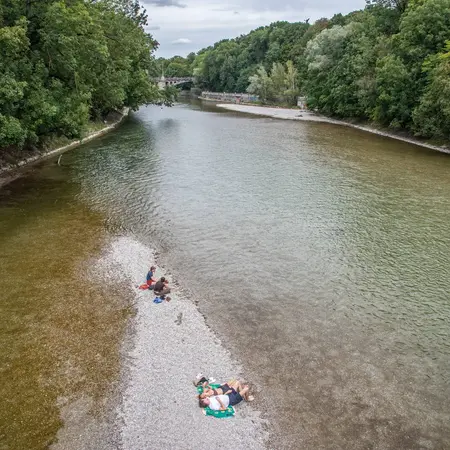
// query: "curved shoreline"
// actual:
[[153, 404], [307, 116], [14, 171]]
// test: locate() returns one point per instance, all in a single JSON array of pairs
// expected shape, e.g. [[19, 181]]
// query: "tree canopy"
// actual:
[[388, 63], [64, 62]]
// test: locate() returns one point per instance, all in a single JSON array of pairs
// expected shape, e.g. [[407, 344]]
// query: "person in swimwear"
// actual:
[[221, 402], [224, 389]]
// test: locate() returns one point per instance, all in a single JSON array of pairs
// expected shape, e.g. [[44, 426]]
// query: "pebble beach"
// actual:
[[167, 346]]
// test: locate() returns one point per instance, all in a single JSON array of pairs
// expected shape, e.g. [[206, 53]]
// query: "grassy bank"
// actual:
[[14, 162]]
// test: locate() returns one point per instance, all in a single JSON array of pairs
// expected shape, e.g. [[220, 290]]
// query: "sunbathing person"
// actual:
[[224, 389], [222, 402]]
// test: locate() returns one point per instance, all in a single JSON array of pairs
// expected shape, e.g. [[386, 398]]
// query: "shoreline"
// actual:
[[307, 116], [153, 403], [11, 172]]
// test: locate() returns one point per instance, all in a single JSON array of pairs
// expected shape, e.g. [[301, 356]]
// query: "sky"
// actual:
[[184, 26]]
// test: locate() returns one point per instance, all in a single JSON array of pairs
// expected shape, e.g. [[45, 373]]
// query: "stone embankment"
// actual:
[[228, 97]]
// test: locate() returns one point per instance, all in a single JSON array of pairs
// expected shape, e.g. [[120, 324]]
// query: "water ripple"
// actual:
[[333, 242]]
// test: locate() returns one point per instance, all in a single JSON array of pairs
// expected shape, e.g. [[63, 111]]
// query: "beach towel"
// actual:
[[229, 412], [145, 286]]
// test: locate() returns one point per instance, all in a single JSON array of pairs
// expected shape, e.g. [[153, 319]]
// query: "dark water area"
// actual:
[[318, 253]]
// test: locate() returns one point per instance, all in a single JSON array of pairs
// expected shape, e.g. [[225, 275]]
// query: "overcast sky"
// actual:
[[184, 26]]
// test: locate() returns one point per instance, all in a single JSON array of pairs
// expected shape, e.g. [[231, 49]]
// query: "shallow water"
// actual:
[[321, 255]]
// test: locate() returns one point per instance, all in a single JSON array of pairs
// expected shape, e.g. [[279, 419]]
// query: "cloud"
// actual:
[[204, 22], [181, 41], [163, 3], [225, 8], [153, 28]]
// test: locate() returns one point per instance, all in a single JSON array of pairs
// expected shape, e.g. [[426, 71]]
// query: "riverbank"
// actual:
[[304, 115], [167, 345], [9, 171]]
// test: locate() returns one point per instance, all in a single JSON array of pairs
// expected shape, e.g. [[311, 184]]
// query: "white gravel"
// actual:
[[308, 116], [277, 113], [171, 343]]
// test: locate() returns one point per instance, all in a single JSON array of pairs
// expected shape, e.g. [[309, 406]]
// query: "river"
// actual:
[[318, 254]]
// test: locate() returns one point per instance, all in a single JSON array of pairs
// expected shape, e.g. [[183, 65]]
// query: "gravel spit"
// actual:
[[278, 113], [170, 344], [308, 116]]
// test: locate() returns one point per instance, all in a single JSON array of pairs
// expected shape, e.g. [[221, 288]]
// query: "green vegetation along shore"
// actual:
[[388, 64], [12, 167], [67, 64]]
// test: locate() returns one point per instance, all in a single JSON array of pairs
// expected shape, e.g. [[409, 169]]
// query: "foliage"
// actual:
[[386, 63], [261, 84], [176, 66], [228, 64], [432, 115], [399, 5], [63, 63], [280, 85]]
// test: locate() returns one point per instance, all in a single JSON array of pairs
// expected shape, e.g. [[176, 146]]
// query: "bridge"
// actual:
[[164, 82]]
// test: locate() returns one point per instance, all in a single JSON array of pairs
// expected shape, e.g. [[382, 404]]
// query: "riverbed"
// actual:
[[310, 258]]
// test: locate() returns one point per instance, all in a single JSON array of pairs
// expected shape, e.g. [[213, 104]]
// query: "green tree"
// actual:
[[424, 29], [14, 46], [64, 62], [323, 54], [278, 78], [432, 115], [399, 5], [394, 99], [261, 85], [291, 87]]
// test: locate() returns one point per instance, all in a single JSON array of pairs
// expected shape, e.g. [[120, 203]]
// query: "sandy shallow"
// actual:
[[155, 407], [296, 114]]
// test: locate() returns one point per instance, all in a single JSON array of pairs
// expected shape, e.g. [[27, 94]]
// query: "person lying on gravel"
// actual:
[[222, 402], [161, 288], [224, 389]]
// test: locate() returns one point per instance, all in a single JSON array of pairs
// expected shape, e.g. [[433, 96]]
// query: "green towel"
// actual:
[[229, 412]]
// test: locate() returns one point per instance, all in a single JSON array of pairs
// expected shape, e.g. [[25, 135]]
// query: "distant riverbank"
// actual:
[[304, 115], [13, 167]]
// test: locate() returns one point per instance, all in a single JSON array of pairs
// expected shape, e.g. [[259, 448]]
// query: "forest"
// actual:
[[64, 63], [388, 64]]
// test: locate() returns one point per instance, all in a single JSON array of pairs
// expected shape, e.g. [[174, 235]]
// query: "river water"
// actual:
[[319, 254]]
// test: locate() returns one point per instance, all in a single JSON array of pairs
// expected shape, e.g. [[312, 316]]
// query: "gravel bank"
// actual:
[[277, 113], [171, 343], [296, 114]]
